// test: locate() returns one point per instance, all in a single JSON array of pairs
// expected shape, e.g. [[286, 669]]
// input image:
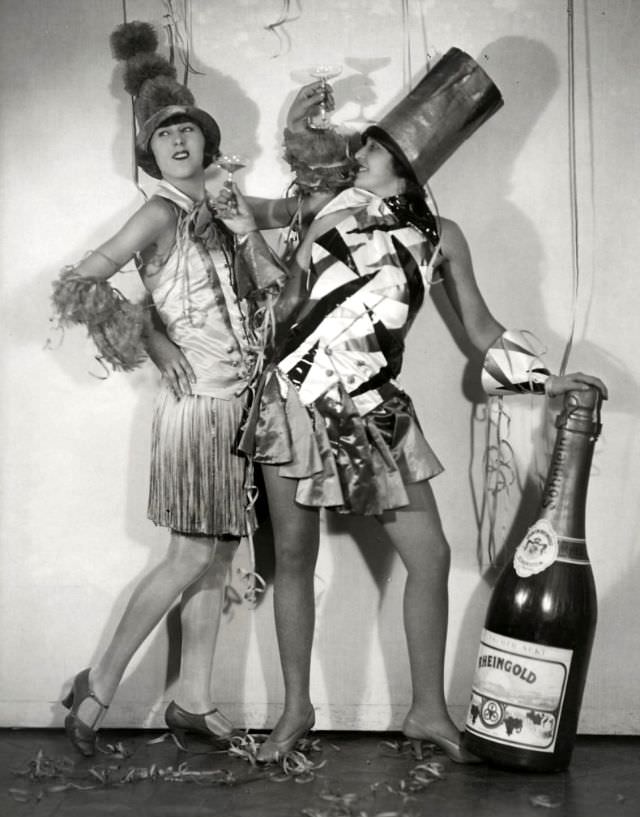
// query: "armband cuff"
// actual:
[[113, 323], [512, 365]]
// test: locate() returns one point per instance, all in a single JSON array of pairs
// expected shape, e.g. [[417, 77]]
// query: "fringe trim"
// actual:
[[115, 325], [198, 480]]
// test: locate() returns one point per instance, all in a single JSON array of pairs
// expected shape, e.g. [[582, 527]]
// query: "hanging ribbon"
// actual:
[[575, 251], [179, 27], [499, 474], [406, 44], [407, 59], [278, 28], [135, 176]]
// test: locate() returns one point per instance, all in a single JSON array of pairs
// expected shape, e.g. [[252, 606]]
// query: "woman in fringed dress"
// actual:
[[198, 283]]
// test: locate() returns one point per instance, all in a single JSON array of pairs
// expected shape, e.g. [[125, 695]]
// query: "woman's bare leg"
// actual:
[[417, 535], [186, 559], [296, 534], [200, 614]]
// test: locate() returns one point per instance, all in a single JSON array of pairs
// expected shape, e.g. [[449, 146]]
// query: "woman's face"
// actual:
[[376, 172], [178, 149]]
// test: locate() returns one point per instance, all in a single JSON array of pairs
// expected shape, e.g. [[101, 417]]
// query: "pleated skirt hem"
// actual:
[[199, 481], [342, 461]]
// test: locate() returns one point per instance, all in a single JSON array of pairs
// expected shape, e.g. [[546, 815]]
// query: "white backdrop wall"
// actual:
[[73, 472]]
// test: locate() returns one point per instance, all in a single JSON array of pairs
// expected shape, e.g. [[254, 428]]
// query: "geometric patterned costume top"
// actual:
[[371, 270], [328, 411]]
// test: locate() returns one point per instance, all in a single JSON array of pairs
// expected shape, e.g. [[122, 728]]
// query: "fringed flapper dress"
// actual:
[[328, 410], [197, 480]]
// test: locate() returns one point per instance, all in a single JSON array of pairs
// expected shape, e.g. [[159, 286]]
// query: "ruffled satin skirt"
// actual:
[[198, 479], [341, 460]]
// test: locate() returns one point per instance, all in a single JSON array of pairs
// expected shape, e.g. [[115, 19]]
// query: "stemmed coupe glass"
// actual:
[[231, 162], [323, 72]]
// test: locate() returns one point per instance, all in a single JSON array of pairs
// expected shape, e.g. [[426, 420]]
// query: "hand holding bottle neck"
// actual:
[[581, 412]]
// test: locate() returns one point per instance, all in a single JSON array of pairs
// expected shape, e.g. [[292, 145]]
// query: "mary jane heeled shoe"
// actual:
[[454, 750], [212, 724], [82, 735], [271, 750]]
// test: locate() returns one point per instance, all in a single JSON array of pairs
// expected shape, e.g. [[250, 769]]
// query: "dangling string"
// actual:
[[255, 584], [407, 60], [406, 39], [589, 119], [134, 164], [433, 261], [425, 37], [575, 252], [169, 28], [434, 204], [278, 28], [179, 29], [135, 176], [499, 473]]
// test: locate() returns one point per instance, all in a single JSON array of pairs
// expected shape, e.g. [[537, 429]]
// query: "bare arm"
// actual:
[[269, 214], [484, 331], [145, 227], [82, 294], [462, 288]]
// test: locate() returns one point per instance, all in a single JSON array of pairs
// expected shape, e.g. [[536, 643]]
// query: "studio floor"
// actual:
[[340, 774]]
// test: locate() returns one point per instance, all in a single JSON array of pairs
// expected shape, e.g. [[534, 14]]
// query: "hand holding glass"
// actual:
[[324, 72], [231, 162]]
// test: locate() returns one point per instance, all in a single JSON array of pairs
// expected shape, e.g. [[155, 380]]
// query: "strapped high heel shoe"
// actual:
[[271, 750], [82, 735], [212, 724], [454, 750]]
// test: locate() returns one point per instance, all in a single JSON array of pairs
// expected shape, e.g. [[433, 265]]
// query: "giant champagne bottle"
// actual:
[[536, 642]]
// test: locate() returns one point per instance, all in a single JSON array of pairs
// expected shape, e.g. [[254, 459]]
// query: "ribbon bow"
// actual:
[[201, 222]]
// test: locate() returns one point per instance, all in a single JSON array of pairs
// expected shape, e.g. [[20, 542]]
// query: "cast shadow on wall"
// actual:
[[528, 75]]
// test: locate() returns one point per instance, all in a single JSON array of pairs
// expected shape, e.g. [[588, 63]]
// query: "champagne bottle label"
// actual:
[[537, 551], [518, 692]]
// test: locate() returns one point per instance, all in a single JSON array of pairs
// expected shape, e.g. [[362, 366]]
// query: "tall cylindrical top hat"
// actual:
[[439, 114]]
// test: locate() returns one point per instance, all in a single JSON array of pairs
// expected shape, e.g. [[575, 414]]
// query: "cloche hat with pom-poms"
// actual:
[[157, 95]]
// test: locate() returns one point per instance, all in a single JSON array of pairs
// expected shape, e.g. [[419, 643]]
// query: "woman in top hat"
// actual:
[[198, 480], [330, 425]]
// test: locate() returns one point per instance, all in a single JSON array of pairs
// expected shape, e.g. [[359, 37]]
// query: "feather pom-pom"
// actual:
[[114, 324], [81, 300], [321, 160], [119, 339], [143, 67], [129, 39], [312, 147], [162, 92]]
